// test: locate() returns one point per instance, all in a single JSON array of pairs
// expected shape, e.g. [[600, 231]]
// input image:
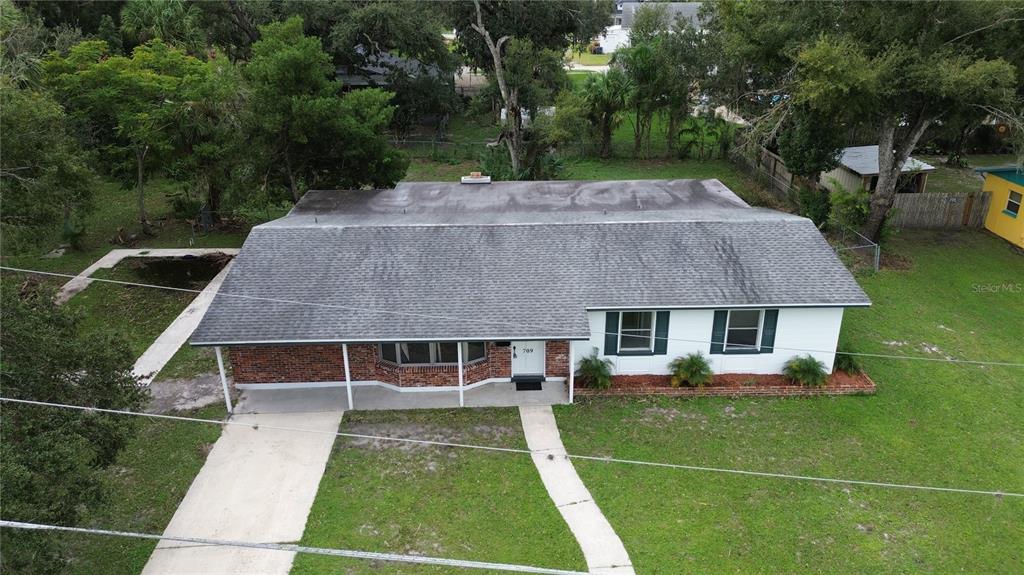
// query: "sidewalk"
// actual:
[[601, 547]]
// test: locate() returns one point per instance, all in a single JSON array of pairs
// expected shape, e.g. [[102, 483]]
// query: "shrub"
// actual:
[[184, 206], [595, 371], [848, 209], [815, 205], [846, 362], [805, 370], [693, 369]]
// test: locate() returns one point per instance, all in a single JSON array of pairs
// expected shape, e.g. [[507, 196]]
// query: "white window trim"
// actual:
[[434, 353], [650, 345], [1010, 201], [757, 338]]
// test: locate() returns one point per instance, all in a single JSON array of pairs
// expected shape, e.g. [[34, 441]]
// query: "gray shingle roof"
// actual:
[[864, 161], [495, 273]]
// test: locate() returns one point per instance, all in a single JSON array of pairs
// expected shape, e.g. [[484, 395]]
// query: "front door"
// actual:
[[527, 358]]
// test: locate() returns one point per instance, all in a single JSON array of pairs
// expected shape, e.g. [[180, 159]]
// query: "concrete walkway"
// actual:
[[166, 345], [113, 257], [257, 485], [601, 547]]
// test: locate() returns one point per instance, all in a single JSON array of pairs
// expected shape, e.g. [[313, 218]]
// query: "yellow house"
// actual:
[[1005, 217]]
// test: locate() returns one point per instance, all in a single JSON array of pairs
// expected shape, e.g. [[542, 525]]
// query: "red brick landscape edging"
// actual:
[[734, 385]]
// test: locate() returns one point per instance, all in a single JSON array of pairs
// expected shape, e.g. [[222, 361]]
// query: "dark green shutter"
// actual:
[[661, 333], [718, 331], [611, 333], [771, 317]]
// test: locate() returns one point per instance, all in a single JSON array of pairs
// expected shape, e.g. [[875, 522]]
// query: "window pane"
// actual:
[[636, 320], [1013, 204], [447, 352], [415, 352], [744, 318], [741, 339], [474, 350], [387, 351], [636, 340]]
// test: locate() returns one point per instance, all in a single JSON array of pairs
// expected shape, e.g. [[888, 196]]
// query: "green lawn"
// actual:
[[116, 208], [588, 59], [144, 488], [453, 503], [961, 180], [930, 423]]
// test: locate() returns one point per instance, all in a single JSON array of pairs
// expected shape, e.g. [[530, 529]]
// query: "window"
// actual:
[[636, 330], [432, 352], [1013, 204], [743, 330]]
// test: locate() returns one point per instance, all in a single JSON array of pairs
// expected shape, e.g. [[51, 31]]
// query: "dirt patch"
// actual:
[[488, 434], [182, 394], [894, 262], [188, 272]]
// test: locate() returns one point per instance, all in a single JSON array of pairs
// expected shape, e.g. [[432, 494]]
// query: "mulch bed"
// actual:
[[736, 385]]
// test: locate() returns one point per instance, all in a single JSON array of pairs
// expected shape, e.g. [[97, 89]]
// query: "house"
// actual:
[[616, 36], [1005, 219], [858, 168], [451, 286], [377, 68]]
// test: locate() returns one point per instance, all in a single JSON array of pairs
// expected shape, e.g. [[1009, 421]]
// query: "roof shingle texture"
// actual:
[[336, 279]]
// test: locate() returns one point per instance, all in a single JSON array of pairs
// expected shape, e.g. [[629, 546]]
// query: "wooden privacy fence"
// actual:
[[940, 210]]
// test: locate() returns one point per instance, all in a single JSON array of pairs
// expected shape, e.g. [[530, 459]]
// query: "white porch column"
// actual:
[[462, 381], [348, 374], [223, 378], [572, 370]]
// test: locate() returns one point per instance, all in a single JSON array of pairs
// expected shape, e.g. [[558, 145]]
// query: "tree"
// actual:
[[552, 25], [306, 129], [605, 96], [128, 106], [895, 66], [43, 173], [51, 459], [641, 64], [176, 22]]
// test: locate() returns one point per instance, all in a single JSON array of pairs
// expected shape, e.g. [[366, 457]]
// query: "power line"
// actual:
[[491, 322], [367, 555], [527, 451]]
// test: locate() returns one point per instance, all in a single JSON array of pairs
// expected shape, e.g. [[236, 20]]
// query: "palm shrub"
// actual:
[[595, 371], [846, 362], [693, 368], [805, 370]]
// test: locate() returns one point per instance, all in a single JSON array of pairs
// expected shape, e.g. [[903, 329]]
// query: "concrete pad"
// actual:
[[257, 485], [167, 344], [373, 397], [602, 548]]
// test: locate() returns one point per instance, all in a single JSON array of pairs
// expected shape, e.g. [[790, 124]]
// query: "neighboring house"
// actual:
[[442, 286], [858, 168], [1005, 217], [616, 36], [376, 70]]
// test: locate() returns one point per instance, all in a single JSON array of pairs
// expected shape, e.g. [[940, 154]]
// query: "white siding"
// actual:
[[689, 330], [850, 181]]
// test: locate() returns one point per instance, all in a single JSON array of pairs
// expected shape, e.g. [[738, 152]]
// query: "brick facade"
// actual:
[[325, 363], [735, 385], [556, 358]]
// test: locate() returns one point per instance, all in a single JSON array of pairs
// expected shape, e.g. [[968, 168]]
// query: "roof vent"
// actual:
[[476, 178]]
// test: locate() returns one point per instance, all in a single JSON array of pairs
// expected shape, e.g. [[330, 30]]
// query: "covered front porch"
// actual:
[[554, 391]]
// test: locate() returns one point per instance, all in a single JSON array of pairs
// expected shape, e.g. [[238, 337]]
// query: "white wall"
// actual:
[[797, 328], [850, 181]]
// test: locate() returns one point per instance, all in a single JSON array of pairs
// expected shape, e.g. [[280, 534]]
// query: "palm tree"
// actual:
[[606, 96], [173, 21]]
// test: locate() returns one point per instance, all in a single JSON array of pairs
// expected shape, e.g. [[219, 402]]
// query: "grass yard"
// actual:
[[446, 502], [144, 488], [930, 423], [588, 59], [962, 180], [116, 208]]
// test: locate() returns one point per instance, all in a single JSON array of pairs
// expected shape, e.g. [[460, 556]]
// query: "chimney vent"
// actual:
[[476, 178]]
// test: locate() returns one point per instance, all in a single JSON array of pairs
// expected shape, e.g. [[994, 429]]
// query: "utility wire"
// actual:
[[526, 451], [367, 555], [491, 322]]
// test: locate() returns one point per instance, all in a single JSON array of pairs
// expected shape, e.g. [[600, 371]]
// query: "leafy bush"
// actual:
[[846, 362], [815, 205], [184, 206], [692, 369], [849, 209], [594, 371], [805, 370]]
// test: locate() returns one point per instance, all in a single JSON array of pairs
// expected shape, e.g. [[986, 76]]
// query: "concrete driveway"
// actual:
[[257, 485]]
